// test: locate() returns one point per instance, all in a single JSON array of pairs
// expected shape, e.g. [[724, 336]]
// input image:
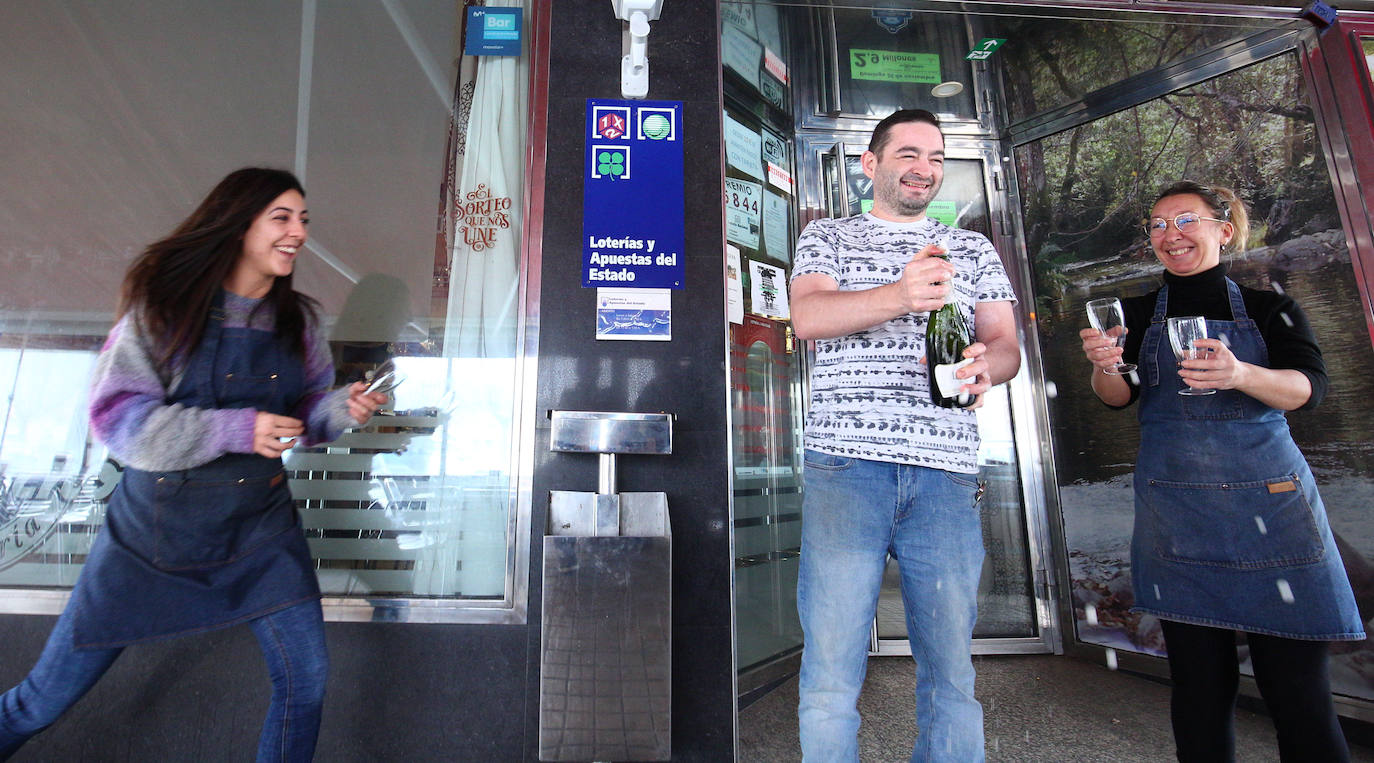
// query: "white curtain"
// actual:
[[484, 266], [480, 232]]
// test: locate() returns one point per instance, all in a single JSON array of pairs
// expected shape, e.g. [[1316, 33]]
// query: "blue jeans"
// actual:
[[292, 642], [855, 513]]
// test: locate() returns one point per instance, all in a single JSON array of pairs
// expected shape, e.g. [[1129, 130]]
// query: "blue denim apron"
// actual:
[[211, 546], [1230, 531]]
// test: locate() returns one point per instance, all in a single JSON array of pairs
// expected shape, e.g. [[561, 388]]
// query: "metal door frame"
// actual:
[[1029, 423]]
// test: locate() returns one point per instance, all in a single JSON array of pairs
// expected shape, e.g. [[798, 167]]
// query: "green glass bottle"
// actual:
[[947, 335]]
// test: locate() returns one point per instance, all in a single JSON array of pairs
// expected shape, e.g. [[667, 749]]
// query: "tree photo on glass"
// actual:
[[1183, 331], [1109, 319], [947, 336]]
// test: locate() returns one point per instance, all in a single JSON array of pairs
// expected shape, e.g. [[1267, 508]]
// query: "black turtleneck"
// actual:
[[1290, 341]]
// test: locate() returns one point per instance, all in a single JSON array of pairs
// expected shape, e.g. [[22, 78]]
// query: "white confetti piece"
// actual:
[[1285, 592], [1259, 520], [1225, 339], [1111, 659], [1051, 390], [1156, 592], [1090, 614], [1286, 320], [1276, 286], [1134, 379]]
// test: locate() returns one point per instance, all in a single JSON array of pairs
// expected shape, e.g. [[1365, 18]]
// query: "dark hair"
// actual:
[[173, 284], [1224, 202], [883, 131]]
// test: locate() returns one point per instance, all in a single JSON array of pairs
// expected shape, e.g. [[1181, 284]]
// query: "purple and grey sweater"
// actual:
[[130, 413]]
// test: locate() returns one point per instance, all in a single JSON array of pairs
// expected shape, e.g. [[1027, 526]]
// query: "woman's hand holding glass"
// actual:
[[1109, 320], [1194, 350], [362, 404]]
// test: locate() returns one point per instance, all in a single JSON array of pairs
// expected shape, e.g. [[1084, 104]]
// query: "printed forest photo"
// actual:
[[1086, 191]]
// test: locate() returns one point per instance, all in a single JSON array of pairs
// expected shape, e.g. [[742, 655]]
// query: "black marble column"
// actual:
[[687, 376]]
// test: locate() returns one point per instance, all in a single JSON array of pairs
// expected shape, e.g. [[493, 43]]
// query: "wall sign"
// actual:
[[632, 198], [492, 31], [894, 66], [985, 48]]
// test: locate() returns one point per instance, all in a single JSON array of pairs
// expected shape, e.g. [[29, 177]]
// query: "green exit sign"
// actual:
[[984, 49]]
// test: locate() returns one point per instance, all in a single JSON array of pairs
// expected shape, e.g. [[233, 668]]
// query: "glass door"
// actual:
[[1014, 604]]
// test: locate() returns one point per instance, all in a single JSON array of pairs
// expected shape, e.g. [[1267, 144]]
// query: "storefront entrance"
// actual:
[[1061, 128]]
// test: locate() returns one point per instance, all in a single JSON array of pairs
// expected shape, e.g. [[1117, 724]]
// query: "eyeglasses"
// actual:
[[1185, 222]]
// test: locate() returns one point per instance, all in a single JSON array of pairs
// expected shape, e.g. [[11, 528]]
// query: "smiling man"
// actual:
[[888, 471]]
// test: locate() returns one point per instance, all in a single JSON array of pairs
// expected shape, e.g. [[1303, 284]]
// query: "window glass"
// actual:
[[1086, 192], [1050, 62], [129, 114]]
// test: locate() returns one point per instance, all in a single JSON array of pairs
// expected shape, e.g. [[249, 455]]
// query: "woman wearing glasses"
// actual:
[[1230, 533], [214, 368]]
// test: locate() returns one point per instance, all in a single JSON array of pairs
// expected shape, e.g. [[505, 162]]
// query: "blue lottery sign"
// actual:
[[632, 199]]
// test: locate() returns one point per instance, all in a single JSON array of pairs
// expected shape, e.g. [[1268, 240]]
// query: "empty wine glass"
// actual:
[[1183, 331], [1109, 319], [384, 379]]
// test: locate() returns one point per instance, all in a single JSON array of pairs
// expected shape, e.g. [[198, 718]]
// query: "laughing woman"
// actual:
[[215, 367], [1230, 532]]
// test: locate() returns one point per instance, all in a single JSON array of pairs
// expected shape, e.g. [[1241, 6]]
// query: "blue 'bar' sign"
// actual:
[[492, 31], [632, 200]]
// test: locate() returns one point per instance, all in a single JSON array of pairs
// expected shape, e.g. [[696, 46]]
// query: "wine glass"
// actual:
[[1183, 331], [1109, 319], [385, 379]]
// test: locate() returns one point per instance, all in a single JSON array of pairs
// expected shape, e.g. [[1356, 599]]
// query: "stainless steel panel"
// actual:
[[606, 432], [580, 514], [644, 515], [605, 689]]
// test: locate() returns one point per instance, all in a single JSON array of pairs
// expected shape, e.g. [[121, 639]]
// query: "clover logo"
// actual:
[[612, 163]]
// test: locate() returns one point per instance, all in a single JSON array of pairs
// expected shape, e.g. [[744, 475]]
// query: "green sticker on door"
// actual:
[[894, 66], [939, 211]]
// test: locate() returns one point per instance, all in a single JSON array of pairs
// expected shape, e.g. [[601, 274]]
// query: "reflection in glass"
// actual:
[[883, 68], [1250, 129]]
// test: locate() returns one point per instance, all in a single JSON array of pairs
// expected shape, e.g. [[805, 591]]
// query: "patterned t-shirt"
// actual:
[[870, 396]]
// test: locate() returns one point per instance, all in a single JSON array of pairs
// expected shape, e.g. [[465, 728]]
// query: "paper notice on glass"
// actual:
[[739, 16], [774, 148], [768, 290], [774, 65], [743, 212], [741, 53], [742, 148], [642, 315], [768, 25], [775, 238], [734, 292]]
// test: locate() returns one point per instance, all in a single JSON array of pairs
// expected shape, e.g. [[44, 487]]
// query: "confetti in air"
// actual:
[[1225, 339], [1156, 592], [1090, 614], [1287, 321], [1051, 390], [1259, 520], [1285, 592], [1278, 287], [1111, 659], [1134, 379]]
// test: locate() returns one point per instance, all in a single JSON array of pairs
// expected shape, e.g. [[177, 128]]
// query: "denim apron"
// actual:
[[1230, 531], [210, 546]]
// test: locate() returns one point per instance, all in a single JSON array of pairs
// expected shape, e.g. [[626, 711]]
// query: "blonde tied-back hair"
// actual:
[[1225, 205]]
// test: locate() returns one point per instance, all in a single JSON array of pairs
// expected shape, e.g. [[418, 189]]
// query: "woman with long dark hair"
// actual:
[[1230, 531], [215, 367]]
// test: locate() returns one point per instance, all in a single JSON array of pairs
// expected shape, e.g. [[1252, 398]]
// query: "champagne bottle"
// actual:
[[947, 335]]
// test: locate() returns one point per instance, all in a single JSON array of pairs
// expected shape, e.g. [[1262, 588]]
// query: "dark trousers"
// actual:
[[1293, 680]]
